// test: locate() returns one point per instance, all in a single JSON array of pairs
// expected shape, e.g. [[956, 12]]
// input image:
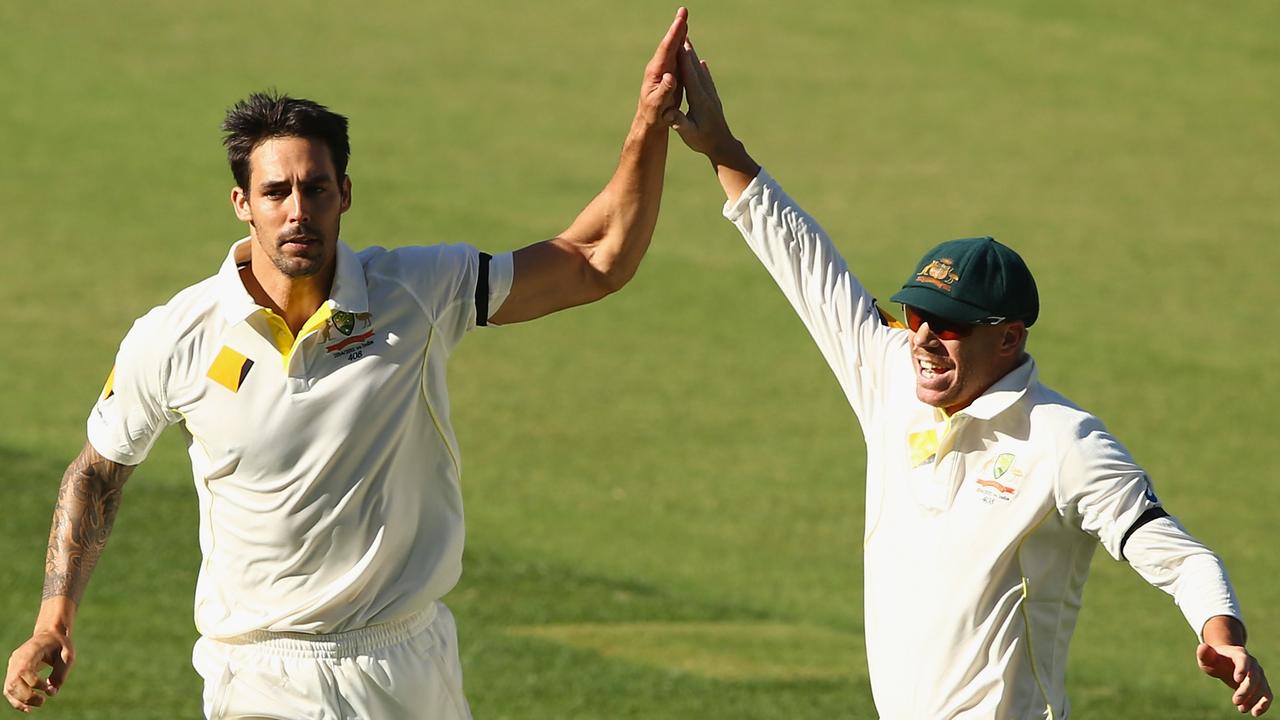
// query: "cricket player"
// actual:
[[987, 492], [309, 381]]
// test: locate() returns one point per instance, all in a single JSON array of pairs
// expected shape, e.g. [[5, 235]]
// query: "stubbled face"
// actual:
[[294, 205], [951, 374]]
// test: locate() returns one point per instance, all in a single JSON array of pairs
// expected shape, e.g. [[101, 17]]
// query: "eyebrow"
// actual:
[[317, 178]]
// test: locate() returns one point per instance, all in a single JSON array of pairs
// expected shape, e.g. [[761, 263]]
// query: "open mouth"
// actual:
[[930, 369]]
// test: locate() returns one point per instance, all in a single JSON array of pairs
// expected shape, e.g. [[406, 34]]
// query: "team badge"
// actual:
[[1000, 480], [353, 346], [344, 321], [938, 273], [1003, 463]]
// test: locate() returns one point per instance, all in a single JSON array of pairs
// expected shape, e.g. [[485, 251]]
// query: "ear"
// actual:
[[346, 194], [240, 203], [1011, 341]]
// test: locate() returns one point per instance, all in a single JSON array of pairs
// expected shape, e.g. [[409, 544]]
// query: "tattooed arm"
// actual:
[[86, 509]]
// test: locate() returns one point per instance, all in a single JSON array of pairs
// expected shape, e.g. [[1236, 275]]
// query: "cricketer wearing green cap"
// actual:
[[987, 492]]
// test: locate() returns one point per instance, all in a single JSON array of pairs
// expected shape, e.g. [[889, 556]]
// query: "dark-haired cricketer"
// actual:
[[309, 382], [987, 492]]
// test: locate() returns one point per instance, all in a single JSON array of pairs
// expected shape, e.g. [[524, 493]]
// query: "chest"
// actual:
[[961, 484], [245, 392]]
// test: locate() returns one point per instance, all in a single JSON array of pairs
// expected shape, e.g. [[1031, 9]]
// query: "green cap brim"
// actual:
[[940, 304]]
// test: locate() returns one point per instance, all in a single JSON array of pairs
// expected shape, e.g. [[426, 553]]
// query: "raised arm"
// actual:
[[601, 250], [82, 520]]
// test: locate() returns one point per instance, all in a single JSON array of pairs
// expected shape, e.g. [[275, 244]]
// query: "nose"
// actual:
[[923, 335], [299, 207]]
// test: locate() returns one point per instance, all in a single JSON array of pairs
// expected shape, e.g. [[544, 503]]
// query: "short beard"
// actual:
[[297, 267]]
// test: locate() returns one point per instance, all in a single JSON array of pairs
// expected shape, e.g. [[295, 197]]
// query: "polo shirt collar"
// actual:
[[349, 291], [1004, 393]]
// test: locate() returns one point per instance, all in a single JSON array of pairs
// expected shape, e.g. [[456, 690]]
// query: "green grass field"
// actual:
[[664, 489]]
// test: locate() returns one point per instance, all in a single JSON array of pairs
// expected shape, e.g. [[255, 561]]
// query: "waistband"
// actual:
[[335, 645]]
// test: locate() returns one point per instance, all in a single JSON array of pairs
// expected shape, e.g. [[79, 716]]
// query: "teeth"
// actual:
[[929, 368]]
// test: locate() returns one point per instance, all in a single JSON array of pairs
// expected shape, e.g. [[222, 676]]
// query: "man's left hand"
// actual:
[[1240, 671]]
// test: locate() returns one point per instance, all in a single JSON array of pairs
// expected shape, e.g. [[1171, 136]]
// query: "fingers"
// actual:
[[22, 689], [664, 57], [1245, 696], [1262, 698], [61, 666], [667, 99], [685, 128], [702, 69], [689, 73]]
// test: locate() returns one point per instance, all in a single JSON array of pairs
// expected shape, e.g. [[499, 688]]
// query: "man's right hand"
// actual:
[[23, 687], [704, 128]]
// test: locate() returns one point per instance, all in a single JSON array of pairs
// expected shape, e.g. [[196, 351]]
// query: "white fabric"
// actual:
[[976, 553], [328, 480], [406, 671]]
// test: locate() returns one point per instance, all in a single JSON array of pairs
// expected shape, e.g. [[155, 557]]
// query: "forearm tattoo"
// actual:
[[82, 519]]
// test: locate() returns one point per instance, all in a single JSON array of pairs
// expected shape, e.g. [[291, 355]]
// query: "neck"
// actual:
[[295, 299]]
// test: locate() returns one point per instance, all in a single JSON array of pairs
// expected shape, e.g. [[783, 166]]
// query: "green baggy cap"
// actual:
[[972, 280]]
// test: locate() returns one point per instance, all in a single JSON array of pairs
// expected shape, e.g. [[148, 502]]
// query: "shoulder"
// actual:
[[1080, 439], [164, 329], [441, 259], [435, 275]]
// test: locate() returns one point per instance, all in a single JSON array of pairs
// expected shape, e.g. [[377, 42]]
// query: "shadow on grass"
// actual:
[[543, 641]]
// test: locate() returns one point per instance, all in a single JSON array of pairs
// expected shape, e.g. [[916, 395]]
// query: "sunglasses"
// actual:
[[944, 329]]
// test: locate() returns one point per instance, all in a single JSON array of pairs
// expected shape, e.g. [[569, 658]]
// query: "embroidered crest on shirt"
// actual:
[[346, 323], [1000, 479]]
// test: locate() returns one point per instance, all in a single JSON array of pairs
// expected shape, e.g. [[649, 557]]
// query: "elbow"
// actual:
[[603, 274], [610, 281]]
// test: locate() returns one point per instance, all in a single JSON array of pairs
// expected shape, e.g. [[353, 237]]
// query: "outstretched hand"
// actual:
[[703, 127], [1240, 671], [23, 687], [660, 91]]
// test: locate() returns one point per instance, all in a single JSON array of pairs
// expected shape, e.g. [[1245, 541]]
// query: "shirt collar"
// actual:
[[349, 291], [1004, 393]]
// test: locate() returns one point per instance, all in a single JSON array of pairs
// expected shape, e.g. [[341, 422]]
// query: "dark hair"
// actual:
[[266, 115]]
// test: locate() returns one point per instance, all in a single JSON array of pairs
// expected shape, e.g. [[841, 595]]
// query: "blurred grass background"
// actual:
[[664, 489]]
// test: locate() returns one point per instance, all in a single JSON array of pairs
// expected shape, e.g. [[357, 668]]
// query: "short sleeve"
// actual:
[[131, 412], [458, 287], [1100, 487]]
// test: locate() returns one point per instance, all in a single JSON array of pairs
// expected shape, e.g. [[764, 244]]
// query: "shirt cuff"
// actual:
[[734, 209]]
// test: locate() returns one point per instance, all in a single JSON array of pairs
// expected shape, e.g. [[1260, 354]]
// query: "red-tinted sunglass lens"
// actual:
[[943, 329]]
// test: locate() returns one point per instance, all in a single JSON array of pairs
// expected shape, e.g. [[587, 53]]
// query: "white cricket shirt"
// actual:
[[326, 466], [979, 527]]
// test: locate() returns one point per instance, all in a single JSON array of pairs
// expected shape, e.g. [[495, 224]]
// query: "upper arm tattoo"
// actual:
[[82, 520]]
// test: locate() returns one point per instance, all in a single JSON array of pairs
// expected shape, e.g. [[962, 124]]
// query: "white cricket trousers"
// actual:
[[408, 669]]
